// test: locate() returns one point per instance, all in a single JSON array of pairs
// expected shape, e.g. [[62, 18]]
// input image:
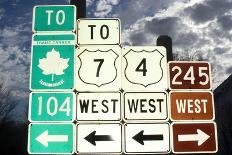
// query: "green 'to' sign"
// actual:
[[50, 18], [52, 107], [51, 138]]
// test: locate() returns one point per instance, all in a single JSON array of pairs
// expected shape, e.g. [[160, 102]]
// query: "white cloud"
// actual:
[[188, 36], [104, 7]]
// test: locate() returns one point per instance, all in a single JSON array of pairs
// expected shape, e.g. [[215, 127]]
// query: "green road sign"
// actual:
[[49, 138], [49, 18], [52, 107], [52, 66]]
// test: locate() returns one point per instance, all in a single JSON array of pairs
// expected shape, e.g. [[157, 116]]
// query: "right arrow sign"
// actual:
[[194, 138]]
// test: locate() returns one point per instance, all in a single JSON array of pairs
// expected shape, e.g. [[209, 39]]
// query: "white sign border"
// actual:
[[170, 149], [169, 79], [191, 120], [74, 135], [116, 19], [30, 106], [146, 120], [54, 32], [195, 152]]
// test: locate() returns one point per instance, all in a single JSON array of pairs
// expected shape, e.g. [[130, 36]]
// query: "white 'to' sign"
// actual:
[[98, 31]]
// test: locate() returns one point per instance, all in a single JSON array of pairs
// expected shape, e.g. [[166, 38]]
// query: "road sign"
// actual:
[[191, 105], [98, 31], [145, 106], [51, 18], [50, 138], [99, 138], [98, 68], [194, 137], [52, 107], [98, 106], [189, 75], [147, 138], [144, 68], [52, 66]]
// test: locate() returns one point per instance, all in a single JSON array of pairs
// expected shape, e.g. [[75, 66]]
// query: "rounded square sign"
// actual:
[[189, 75], [146, 106], [52, 107], [98, 68], [52, 66], [147, 138], [50, 18], [144, 68], [98, 106], [99, 138], [194, 137], [191, 105], [51, 138], [99, 31]]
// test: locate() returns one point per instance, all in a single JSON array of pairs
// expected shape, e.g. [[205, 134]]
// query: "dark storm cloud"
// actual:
[[138, 38], [208, 10], [225, 22], [164, 26], [229, 70], [220, 50]]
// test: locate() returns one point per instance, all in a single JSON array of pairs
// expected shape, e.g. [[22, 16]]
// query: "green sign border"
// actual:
[[74, 112], [74, 138], [74, 68], [55, 31]]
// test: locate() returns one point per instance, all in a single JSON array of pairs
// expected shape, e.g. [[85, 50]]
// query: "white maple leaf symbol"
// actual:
[[53, 64]]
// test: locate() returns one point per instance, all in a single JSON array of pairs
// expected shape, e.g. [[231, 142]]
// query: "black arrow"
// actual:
[[92, 138], [140, 137]]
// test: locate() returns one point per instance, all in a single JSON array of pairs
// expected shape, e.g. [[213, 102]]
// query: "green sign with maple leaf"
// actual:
[[52, 66]]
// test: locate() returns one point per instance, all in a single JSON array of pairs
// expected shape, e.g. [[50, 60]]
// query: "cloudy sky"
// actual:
[[200, 29]]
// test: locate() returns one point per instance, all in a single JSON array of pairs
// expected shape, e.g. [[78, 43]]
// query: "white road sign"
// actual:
[[144, 68], [98, 31], [145, 106], [99, 138], [147, 138], [98, 106], [98, 68]]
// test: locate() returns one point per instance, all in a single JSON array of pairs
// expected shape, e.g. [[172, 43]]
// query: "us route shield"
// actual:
[[98, 67], [154, 71]]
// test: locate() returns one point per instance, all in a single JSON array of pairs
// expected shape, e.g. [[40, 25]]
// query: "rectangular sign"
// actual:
[[189, 75], [98, 106], [99, 31], [52, 107], [191, 105], [51, 138], [98, 68], [144, 68], [194, 137], [147, 138], [145, 106], [51, 18], [99, 138], [52, 62]]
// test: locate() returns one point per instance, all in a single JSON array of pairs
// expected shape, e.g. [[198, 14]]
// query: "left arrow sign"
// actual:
[[44, 138], [92, 138], [140, 137]]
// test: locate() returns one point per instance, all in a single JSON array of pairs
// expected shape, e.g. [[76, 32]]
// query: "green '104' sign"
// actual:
[[51, 18]]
